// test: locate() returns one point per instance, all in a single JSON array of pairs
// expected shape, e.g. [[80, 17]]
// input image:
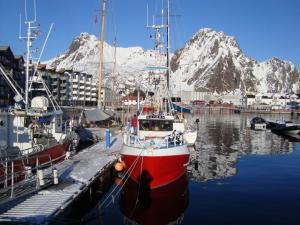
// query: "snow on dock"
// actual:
[[76, 174]]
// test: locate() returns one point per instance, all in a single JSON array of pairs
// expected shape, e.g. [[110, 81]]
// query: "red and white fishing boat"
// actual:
[[157, 154]]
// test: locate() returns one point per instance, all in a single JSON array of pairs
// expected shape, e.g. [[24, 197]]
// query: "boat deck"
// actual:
[[75, 174]]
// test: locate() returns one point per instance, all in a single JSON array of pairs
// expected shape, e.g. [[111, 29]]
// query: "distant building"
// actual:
[[84, 89], [272, 101], [14, 65], [69, 87], [188, 97], [131, 100]]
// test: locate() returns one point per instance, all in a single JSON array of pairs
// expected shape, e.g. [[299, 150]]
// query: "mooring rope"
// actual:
[[128, 172], [138, 193]]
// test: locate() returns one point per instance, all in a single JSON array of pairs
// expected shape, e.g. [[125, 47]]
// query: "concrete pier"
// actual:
[[75, 177]]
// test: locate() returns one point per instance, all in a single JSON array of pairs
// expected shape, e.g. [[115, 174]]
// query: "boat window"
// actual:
[[58, 121], [1, 123], [155, 125]]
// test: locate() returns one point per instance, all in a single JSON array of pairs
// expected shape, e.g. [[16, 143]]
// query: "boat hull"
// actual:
[[53, 154], [180, 108], [155, 167]]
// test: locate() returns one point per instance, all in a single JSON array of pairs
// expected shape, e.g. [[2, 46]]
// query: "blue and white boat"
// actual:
[[179, 107]]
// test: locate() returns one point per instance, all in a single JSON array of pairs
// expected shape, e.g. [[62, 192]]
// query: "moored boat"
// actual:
[[258, 123], [285, 127], [182, 108], [31, 130], [157, 153]]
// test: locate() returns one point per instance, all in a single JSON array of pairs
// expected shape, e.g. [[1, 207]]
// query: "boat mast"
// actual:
[[100, 77], [30, 36], [168, 44], [114, 73]]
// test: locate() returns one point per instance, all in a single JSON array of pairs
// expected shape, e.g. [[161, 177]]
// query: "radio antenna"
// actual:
[[26, 10]]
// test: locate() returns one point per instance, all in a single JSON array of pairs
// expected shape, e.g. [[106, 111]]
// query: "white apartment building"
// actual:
[[83, 89], [275, 101]]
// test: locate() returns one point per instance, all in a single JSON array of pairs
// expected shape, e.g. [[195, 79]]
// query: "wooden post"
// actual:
[[12, 179]]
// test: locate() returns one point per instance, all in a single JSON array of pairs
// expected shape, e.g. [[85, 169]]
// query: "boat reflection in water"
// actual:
[[166, 205]]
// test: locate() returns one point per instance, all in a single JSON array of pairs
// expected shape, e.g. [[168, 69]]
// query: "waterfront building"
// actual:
[[249, 100], [70, 88], [14, 65], [83, 89], [131, 100], [271, 100], [187, 97]]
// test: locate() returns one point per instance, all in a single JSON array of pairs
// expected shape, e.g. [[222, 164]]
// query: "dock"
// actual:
[[75, 174]]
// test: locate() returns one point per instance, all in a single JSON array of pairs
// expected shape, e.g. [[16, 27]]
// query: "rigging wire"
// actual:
[[129, 171]]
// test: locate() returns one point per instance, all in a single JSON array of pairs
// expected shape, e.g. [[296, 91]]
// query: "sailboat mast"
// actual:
[[100, 77], [27, 64], [168, 44], [114, 74]]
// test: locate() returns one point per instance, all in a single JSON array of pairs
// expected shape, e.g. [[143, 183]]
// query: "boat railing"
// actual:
[[172, 140], [18, 178], [132, 140]]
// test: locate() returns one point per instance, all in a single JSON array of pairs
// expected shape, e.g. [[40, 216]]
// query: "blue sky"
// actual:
[[263, 28]]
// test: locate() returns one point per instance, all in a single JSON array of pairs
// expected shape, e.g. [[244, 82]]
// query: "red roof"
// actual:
[[131, 98]]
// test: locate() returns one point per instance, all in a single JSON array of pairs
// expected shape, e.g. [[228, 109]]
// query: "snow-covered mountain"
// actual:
[[214, 62], [83, 56], [211, 61]]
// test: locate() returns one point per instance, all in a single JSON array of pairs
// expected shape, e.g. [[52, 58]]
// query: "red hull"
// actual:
[[156, 171], [55, 153]]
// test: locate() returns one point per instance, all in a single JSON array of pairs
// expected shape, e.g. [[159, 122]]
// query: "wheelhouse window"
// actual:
[[156, 125]]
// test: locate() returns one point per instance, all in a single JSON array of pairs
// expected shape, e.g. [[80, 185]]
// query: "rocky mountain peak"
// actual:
[[211, 62], [81, 40], [214, 62]]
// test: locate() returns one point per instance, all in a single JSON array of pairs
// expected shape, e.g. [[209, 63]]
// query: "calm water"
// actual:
[[236, 176]]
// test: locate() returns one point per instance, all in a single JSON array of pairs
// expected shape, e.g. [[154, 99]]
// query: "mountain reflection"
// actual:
[[223, 138]]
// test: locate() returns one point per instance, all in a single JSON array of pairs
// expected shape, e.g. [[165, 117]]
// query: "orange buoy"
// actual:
[[119, 166]]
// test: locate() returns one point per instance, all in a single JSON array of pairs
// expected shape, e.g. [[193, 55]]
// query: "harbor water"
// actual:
[[236, 176]]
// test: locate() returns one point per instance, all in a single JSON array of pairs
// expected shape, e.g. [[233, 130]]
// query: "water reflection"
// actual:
[[164, 205], [223, 139]]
